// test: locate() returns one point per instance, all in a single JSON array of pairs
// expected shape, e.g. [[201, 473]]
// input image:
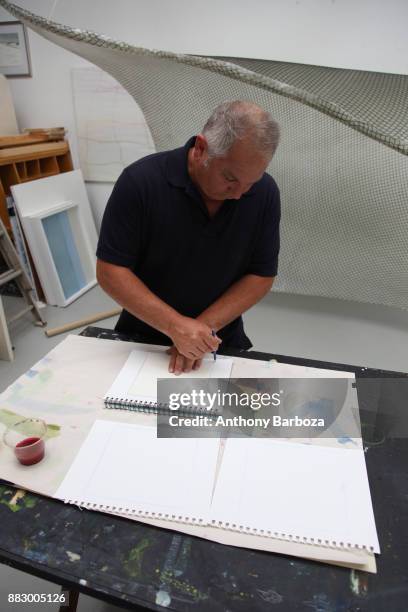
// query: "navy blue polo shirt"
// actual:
[[157, 224]]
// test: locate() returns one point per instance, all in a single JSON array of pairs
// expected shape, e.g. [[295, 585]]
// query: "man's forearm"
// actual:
[[133, 295], [237, 299]]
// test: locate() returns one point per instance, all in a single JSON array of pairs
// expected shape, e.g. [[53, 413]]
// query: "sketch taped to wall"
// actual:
[[112, 131]]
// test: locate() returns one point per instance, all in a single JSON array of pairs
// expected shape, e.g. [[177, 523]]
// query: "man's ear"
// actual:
[[200, 151]]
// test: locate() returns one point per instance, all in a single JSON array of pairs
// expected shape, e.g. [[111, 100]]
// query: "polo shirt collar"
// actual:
[[177, 173]]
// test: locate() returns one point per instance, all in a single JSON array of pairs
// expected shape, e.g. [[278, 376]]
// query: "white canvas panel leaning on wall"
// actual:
[[112, 131], [60, 231]]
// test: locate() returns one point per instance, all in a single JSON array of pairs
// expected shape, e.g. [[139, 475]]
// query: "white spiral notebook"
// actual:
[[127, 468], [135, 387], [279, 489]]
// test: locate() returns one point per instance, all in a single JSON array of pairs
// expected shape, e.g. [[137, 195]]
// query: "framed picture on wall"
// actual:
[[14, 53]]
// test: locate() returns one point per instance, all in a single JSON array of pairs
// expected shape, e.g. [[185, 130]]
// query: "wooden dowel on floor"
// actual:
[[82, 322]]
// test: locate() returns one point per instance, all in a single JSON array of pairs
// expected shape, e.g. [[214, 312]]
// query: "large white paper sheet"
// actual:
[[46, 391], [307, 493]]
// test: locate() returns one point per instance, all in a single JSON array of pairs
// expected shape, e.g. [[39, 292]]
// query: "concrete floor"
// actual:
[[331, 330], [319, 328]]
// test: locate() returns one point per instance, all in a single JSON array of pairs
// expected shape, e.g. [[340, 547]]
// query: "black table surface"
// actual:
[[137, 566]]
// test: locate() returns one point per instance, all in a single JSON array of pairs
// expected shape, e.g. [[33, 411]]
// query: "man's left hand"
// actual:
[[179, 363]]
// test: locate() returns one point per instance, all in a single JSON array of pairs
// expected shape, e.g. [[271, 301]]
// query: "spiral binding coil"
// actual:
[[155, 407], [178, 518], [265, 533], [288, 537]]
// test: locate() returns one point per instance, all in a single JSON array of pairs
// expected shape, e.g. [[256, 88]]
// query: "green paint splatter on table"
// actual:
[[183, 586], [16, 499], [133, 564]]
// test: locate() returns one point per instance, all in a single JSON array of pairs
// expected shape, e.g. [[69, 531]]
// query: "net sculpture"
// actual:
[[342, 165]]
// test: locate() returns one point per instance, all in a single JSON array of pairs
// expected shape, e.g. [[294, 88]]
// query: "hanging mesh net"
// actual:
[[342, 164]]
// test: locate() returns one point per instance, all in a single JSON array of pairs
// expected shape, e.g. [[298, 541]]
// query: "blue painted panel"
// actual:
[[61, 241]]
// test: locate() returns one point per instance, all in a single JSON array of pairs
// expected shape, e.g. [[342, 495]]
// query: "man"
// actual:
[[190, 237]]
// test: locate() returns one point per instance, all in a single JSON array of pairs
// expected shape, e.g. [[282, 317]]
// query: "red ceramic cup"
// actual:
[[26, 439], [30, 450]]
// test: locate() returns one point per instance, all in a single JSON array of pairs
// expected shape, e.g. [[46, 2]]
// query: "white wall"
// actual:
[[365, 34], [359, 34]]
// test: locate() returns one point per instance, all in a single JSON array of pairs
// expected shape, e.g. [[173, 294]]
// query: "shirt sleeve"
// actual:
[[264, 260], [120, 238]]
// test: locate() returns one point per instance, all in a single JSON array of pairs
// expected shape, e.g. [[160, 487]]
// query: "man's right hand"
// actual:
[[192, 338]]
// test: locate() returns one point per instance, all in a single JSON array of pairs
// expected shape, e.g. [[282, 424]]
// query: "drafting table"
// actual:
[[138, 566]]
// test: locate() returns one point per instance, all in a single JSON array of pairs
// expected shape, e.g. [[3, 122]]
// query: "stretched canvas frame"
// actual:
[[61, 235], [63, 283]]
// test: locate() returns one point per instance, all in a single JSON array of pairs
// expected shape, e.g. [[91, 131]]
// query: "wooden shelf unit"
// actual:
[[30, 162]]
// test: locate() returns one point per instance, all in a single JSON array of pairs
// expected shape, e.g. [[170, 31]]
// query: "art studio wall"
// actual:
[[367, 34]]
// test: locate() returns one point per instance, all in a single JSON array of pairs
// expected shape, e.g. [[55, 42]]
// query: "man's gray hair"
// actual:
[[238, 120]]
